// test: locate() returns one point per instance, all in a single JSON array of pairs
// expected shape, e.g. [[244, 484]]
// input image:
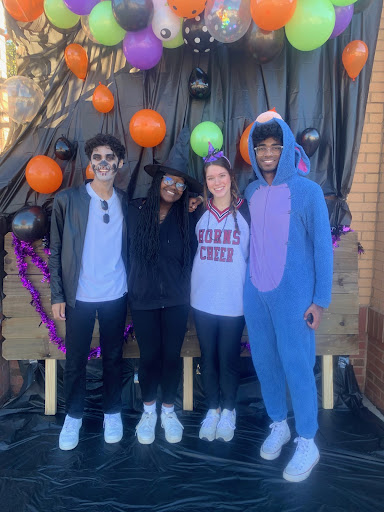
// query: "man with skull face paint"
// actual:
[[88, 275]]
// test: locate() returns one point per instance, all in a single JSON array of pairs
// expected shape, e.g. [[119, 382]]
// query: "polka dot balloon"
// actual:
[[196, 35], [187, 8]]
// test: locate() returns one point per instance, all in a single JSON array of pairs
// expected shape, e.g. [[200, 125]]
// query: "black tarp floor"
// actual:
[[36, 476]]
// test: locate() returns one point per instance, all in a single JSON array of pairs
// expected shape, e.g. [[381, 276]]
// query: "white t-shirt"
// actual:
[[102, 273], [220, 263]]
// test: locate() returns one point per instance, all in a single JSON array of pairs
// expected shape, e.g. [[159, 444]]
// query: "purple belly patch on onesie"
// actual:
[[270, 209]]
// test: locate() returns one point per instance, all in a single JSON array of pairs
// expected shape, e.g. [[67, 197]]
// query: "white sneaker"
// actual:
[[69, 435], [226, 427], [145, 429], [113, 428], [208, 425], [172, 427], [280, 435], [305, 459]]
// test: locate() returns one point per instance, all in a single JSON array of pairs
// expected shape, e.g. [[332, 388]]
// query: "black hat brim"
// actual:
[[193, 185]]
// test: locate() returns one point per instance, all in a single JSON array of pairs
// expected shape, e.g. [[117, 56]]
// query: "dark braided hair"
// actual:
[[145, 245], [223, 162]]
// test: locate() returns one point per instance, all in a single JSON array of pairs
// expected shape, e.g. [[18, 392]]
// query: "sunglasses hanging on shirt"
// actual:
[[105, 208]]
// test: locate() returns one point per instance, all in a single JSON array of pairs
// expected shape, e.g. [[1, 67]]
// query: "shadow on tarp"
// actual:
[[194, 475]]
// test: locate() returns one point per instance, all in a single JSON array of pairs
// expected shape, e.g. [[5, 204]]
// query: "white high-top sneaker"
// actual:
[[172, 427], [145, 429], [69, 435], [113, 428], [226, 427], [280, 435], [208, 425], [305, 459]]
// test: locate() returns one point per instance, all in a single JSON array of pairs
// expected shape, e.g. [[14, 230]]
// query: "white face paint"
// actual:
[[104, 163]]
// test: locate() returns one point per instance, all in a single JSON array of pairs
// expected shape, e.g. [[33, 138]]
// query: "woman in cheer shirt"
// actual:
[[217, 293]]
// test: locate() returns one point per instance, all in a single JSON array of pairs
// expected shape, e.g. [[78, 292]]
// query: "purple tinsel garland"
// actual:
[[24, 249]]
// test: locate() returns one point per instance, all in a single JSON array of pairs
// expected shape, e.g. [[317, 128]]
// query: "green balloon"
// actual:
[[311, 24], [59, 14], [202, 134], [177, 41], [103, 25], [341, 3]]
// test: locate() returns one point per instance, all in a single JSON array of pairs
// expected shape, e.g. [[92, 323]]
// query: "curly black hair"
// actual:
[[263, 132], [104, 139]]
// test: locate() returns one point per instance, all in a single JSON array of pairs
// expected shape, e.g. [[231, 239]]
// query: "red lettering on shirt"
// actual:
[[201, 236], [201, 253], [217, 251], [208, 236], [209, 253], [223, 250], [236, 238], [227, 236], [217, 236], [229, 255]]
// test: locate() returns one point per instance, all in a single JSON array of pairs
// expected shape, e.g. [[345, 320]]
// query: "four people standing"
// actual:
[[288, 283]]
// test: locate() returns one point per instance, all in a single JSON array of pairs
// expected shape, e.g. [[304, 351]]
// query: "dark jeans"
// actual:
[[80, 322], [160, 335], [219, 338]]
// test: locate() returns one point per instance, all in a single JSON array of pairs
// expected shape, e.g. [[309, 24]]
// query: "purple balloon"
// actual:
[[343, 19], [81, 7], [142, 49]]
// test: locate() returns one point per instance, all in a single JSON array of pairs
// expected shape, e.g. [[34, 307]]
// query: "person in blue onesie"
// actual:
[[288, 284]]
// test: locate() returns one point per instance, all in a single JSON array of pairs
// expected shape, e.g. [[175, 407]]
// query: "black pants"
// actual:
[[160, 335], [80, 322], [219, 338]]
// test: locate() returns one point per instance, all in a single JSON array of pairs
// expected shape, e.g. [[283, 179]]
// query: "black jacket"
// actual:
[[68, 227], [164, 284]]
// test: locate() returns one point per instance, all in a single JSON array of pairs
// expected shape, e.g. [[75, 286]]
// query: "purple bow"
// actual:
[[213, 154]]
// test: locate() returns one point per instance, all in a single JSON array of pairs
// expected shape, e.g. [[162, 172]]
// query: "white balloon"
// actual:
[[165, 24], [227, 20], [20, 98]]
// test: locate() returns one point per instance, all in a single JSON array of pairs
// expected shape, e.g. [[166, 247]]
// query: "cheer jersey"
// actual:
[[220, 262]]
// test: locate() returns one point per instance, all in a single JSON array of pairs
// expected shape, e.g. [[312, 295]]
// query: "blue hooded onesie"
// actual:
[[290, 267]]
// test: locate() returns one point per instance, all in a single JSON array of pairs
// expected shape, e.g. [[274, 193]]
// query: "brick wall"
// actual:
[[366, 202]]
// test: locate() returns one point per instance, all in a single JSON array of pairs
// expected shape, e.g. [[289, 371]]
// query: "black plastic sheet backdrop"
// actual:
[[309, 89], [194, 475]]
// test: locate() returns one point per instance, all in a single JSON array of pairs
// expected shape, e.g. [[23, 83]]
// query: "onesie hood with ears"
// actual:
[[293, 159]]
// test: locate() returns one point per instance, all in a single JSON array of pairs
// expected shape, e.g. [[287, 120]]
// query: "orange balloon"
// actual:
[[147, 128], [187, 8], [272, 14], [354, 57], [89, 174], [24, 10], [244, 144], [76, 59], [102, 99], [43, 174]]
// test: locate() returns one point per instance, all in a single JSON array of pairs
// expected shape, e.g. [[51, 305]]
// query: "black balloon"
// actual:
[[132, 15], [310, 140], [64, 150], [361, 5], [261, 45], [196, 35], [30, 223], [198, 85]]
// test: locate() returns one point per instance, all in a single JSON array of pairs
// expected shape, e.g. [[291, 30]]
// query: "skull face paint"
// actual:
[[104, 163]]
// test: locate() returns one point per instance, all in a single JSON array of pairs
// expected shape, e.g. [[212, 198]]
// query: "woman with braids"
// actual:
[[217, 293], [162, 245]]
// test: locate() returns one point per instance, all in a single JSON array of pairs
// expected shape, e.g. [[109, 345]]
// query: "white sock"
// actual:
[[167, 410], [150, 408]]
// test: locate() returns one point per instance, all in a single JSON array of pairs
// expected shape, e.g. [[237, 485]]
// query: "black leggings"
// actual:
[[219, 338], [160, 335]]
